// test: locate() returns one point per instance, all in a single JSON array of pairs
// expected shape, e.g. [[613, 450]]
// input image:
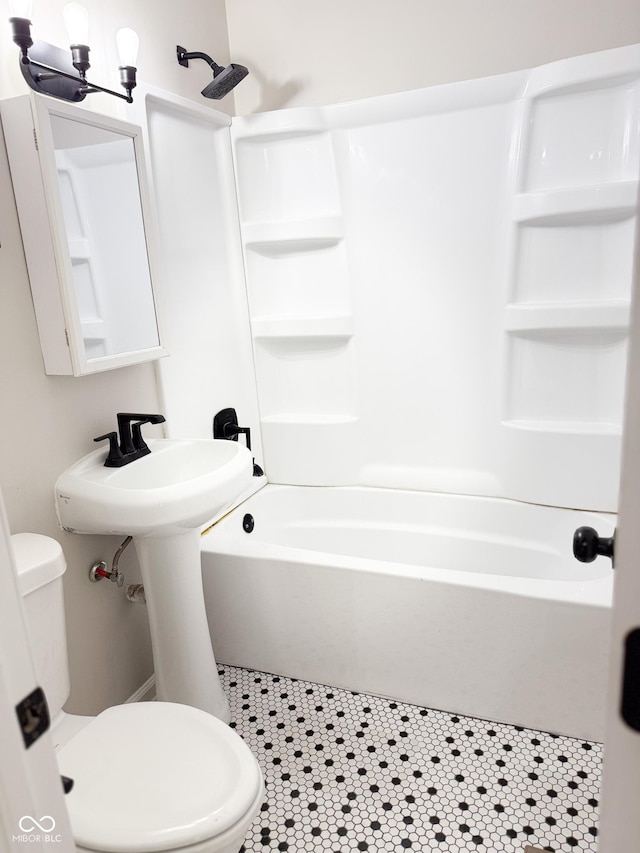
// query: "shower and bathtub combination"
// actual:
[[438, 288]]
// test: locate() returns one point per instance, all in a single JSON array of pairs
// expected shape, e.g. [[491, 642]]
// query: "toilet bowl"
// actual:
[[149, 776]]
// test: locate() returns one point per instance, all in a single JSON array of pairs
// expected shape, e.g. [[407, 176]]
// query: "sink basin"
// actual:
[[179, 486]]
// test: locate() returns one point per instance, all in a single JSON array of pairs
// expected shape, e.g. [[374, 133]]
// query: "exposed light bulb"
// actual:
[[20, 9], [76, 20], [127, 42]]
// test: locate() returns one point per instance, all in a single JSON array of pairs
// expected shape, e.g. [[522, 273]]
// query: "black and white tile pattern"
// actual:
[[350, 772]]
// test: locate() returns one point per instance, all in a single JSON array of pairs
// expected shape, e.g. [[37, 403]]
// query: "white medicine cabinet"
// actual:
[[80, 184]]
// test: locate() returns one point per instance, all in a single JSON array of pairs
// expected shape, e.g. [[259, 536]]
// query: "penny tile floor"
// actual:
[[351, 772]]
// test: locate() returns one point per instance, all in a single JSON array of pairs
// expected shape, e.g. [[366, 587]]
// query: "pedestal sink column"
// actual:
[[184, 664]]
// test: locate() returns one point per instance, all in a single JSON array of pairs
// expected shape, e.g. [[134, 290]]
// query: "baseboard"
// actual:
[[145, 693]]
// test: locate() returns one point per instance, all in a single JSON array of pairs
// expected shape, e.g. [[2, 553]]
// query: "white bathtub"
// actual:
[[470, 605]]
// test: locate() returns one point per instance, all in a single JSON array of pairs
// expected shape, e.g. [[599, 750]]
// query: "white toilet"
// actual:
[[149, 776]]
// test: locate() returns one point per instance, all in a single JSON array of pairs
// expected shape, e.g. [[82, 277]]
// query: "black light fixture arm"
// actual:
[[85, 87]]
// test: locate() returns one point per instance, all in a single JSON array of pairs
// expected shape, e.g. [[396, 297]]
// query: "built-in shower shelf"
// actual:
[[319, 419], [302, 235], [79, 248], [302, 327], [598, 203], [278, 126], [570, 316], [604, 428], [94, 330]]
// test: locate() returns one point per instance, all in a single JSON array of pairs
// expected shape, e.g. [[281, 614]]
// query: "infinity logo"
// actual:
[[45, 824]]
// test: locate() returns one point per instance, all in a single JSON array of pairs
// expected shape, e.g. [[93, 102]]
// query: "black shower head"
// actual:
[[224, 79]]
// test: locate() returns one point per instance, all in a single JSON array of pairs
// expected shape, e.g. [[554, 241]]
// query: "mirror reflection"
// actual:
[[102, 212]]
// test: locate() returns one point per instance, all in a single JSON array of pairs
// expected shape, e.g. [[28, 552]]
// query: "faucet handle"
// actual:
[[139, 444], [225, 425], [115, 459]]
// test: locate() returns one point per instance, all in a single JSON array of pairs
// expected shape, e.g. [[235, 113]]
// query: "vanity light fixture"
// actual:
[[52, 71]]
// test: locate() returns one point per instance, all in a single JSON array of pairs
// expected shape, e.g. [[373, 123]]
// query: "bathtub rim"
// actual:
[[220, 538]]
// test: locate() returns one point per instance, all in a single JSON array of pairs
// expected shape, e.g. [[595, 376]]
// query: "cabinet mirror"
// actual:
[[79, 181]]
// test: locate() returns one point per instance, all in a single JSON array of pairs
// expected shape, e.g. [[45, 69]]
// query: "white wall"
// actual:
[[309, 54], [48, 422]]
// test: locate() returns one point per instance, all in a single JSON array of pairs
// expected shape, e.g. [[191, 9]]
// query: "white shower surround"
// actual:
[[439, 283], [467, 604], [438, 286]]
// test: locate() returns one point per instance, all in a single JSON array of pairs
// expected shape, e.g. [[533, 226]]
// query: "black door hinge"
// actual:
[[630, 705], [33, 716]]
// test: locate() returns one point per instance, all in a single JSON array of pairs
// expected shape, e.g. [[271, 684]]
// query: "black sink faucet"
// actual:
[[129, 425], [131, 444]]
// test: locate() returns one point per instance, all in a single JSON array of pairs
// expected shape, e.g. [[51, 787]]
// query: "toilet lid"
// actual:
[[154, 776]]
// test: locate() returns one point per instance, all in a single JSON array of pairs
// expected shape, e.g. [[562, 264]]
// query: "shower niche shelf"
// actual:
[[304, 328], [304, 376], [284, 176], [582, 132], [79, 249], [596, 428], [262, 129], [599, 203], [297, 274], [568, 311], [277, 238], [321, 420], [566, 376], [95, 330], [568, 316]]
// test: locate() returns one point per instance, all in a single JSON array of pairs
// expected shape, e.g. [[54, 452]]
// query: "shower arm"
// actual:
[[184, 57]]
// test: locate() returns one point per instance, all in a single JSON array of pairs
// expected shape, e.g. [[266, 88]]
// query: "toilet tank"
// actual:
[[40, 564]]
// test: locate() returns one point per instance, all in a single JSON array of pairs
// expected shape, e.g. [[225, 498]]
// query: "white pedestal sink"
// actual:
[[163, 500]]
